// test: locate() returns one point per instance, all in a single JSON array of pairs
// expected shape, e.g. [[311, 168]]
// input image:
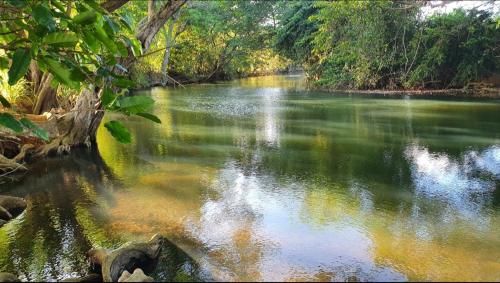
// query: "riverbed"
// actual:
[[261, 179]]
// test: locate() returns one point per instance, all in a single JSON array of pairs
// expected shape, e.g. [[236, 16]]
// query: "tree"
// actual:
[[84, 46]]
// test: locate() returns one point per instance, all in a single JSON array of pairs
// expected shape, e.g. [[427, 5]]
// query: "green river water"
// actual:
[[259, 179]]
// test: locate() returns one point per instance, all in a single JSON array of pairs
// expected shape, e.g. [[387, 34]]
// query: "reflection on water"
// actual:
[[258, 179]]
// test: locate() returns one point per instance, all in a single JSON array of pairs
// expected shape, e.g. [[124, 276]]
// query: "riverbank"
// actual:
[[468, 93], [481, 92]]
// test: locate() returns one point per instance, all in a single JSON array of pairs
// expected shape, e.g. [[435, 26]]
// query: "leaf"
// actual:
[[10, 122], [118, 131], [135, 45], [91, 41], [110, 26], [39, 132], [42, 16], [101, 35], [122, 69], [5, 103], [61, 73], [122, 48], [123, 83], [85, 18], [149, 117], [18, 3], [134, 104], [125, 20], [4, 63], [60, 38], [77, 75], [107, 97], [20, 64]]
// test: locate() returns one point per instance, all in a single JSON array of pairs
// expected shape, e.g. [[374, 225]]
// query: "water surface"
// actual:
[[258, 179]]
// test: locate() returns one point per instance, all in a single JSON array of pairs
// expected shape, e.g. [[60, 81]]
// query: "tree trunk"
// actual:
[[78, 126], [169, 41], [148, 31], [151, 9], [46, 95]]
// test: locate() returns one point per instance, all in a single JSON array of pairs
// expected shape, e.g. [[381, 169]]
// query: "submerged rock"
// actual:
[[128, 257], [137, 276], [8, 277], [13, 205], [4, 214]]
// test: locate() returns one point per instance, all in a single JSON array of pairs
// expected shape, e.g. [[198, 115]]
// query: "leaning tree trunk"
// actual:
[[168, 42], [46, 95]]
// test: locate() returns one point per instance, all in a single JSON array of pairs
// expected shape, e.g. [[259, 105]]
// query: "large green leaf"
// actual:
[[85, 18], [10, 122], [60, 38], [107, 97], [18, 3], [61, 73], [39, 132], [4, 63], [126, 21], [149, 117], [101, 35], [91, 41], [20, 64], [118, 131], [43, 16], [123, 83], [110, 26], [135, 104], [4, 102]]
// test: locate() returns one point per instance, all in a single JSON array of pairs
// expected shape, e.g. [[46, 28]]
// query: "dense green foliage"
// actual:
[[79, 43], [216, 40], [389, 44]]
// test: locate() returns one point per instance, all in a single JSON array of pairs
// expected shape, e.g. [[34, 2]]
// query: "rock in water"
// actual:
[[8, 277], [13, 205], [4, 214], [128, 257], [137, 276]]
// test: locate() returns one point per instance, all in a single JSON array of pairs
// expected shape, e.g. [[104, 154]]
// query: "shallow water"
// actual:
[[258, 179]]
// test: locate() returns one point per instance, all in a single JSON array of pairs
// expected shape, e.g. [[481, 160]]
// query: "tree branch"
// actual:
[[112, 5]]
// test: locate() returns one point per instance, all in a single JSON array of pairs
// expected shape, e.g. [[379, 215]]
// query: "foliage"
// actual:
[[389, 44], [79, 43], [295, 33], [458, 48], [217, 40]]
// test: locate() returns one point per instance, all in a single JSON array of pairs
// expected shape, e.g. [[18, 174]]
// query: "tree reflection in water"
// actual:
[[65, 218]]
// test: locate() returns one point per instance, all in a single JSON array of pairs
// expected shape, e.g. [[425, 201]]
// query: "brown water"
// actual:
[[258, 179]]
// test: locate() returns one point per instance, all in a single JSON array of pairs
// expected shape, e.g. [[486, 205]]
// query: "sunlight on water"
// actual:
[[258, 179]]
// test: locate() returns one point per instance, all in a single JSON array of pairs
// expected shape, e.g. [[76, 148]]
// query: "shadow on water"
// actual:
[[64, 220]]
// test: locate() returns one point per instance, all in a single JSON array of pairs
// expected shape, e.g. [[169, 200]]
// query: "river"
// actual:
[[259, 179]]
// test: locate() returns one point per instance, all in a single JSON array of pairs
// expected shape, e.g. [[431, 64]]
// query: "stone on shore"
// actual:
[[137, 276], [5, 214], [13, 205], [128, 257]]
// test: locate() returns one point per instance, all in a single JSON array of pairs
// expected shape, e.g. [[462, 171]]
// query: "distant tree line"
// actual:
[[389, 44]]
